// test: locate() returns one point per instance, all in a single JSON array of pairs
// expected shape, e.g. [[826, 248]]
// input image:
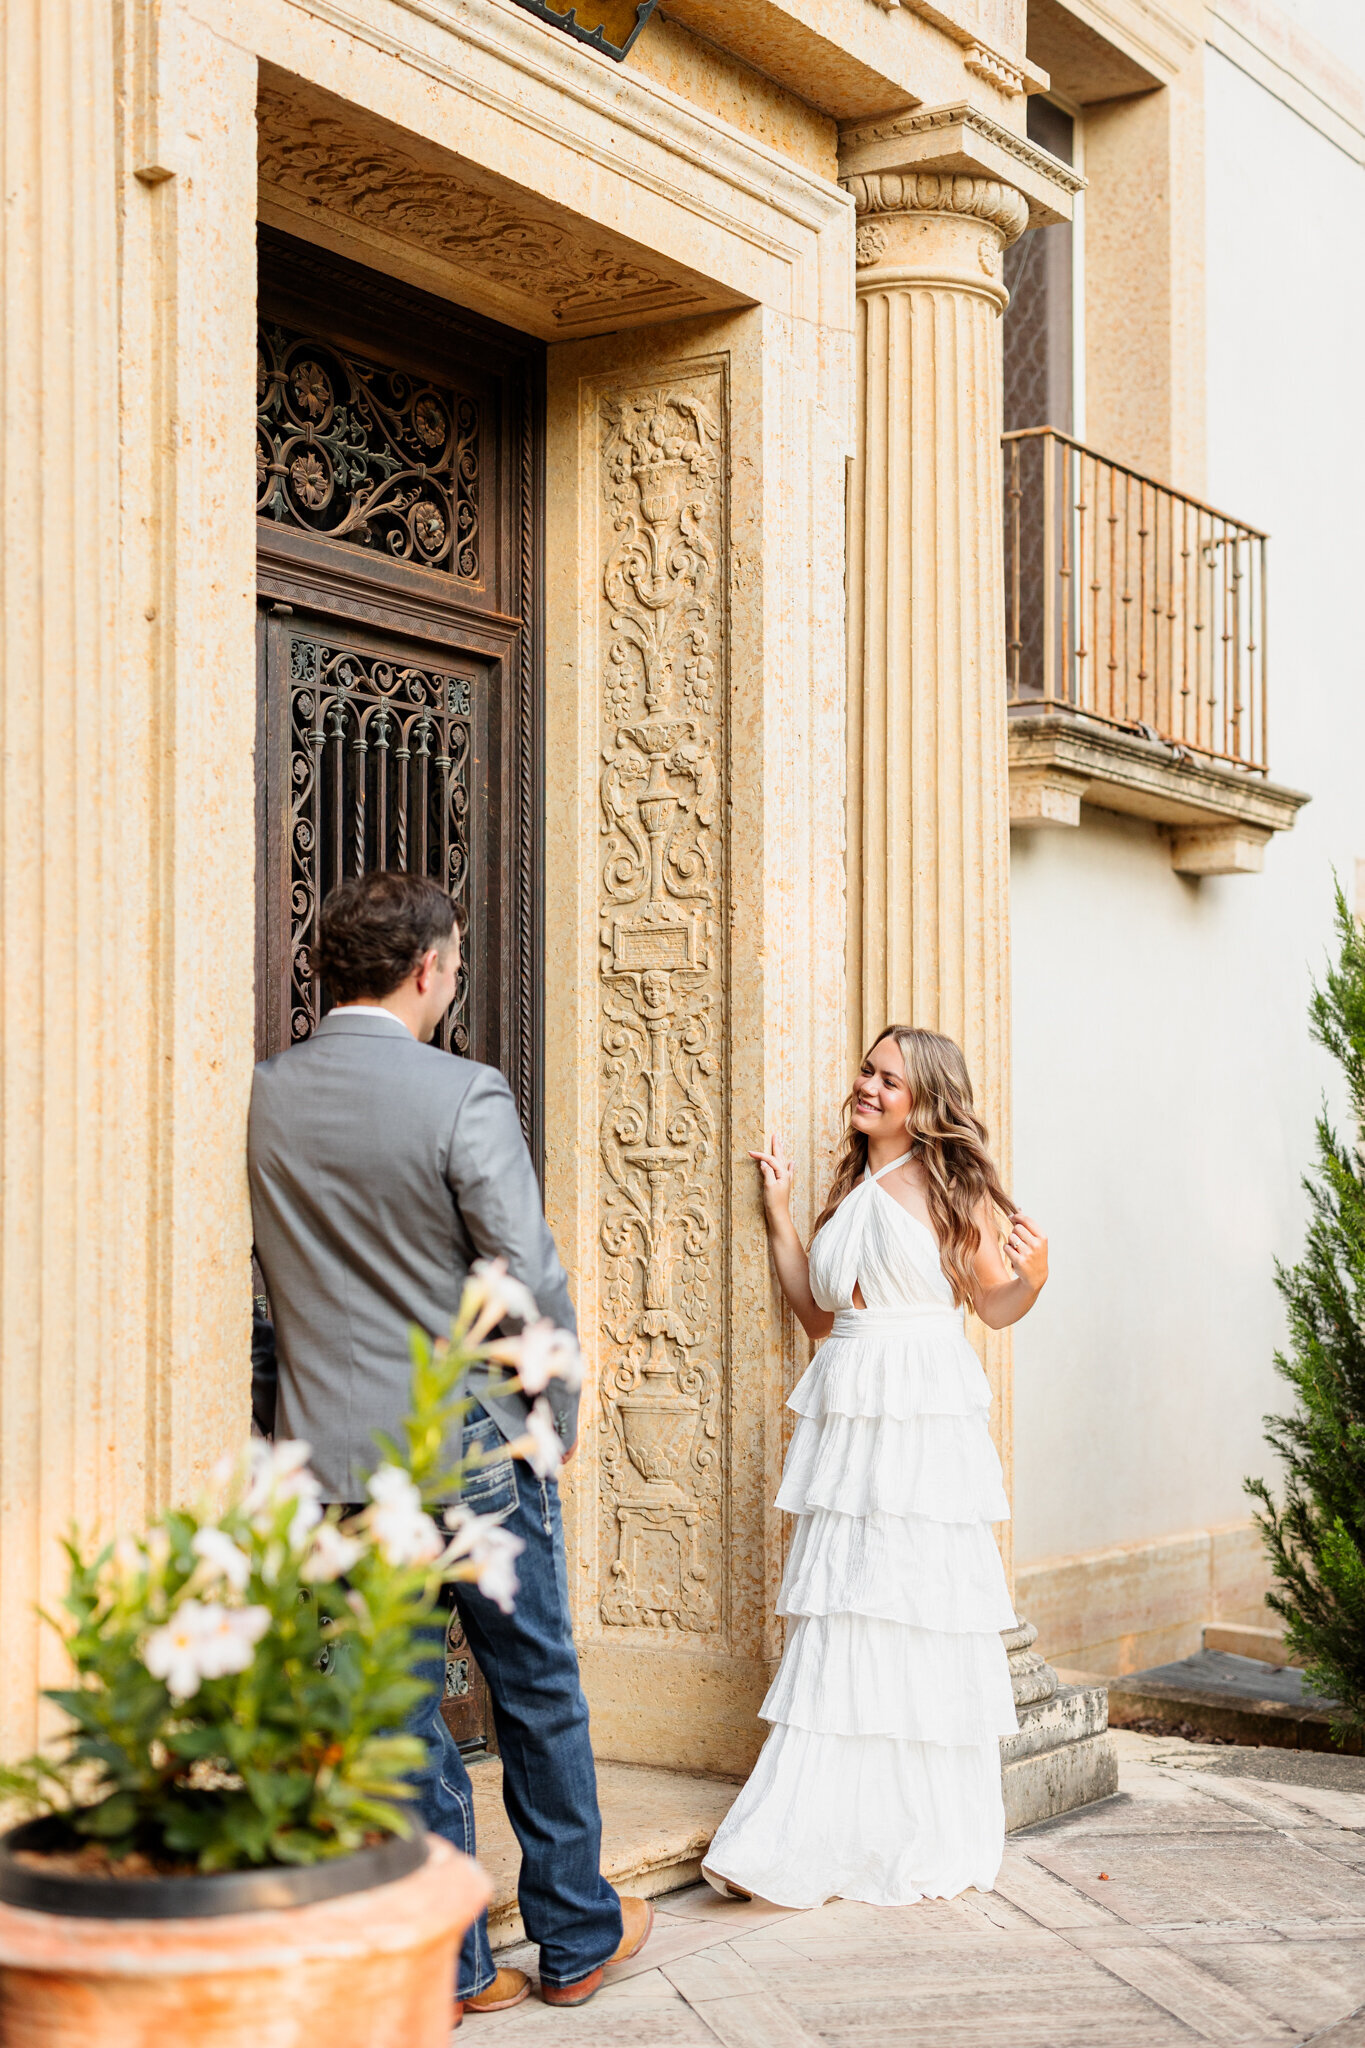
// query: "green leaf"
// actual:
[[114, 1816]]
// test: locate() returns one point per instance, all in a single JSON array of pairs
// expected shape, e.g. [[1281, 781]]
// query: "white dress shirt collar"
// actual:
[[367, 1010]]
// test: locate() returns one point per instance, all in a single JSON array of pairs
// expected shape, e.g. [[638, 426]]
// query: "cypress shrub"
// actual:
[[1315, 1535]]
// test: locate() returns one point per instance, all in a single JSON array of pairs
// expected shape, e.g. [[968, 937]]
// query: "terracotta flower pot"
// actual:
[[375, 1968]]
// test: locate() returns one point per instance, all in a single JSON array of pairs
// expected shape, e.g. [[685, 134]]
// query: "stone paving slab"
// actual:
[[655, 1826], [1210, 1901]]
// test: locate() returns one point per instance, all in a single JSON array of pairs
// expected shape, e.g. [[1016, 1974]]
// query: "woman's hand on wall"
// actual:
[[777, 1173], [789, 1254]]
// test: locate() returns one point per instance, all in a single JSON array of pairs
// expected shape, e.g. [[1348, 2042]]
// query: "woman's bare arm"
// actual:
[[789, 1254], [1001, 1297]]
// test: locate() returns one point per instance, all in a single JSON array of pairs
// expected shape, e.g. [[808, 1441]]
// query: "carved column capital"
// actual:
[[935, 226], [949, 192]]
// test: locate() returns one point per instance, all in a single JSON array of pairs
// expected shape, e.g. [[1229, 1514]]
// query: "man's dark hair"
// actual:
[[375, 929]]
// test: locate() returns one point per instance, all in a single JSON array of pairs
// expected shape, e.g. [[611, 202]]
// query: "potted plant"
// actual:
[[225, 1851]]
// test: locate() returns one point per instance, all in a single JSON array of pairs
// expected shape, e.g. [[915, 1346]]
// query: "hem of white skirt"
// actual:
[[867, 1895]]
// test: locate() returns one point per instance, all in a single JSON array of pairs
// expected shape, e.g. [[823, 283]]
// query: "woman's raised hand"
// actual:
[[1026, 1250], [777, 1171]]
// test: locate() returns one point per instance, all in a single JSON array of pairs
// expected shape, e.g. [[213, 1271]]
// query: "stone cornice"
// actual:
[[637, 104], [1147, 30], [933, 120], [960, 139], [503, 42], [549, 271], [1007, 70]]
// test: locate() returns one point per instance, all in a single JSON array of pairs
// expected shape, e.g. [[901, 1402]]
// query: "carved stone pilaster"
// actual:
[[662, 995]]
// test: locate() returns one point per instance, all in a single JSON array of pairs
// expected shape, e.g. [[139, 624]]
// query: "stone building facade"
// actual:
[[618, 441]]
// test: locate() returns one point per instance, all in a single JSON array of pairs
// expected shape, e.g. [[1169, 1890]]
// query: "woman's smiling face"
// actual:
[[881, 1093]]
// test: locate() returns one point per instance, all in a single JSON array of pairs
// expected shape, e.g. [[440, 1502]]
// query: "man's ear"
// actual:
[[426, 967]]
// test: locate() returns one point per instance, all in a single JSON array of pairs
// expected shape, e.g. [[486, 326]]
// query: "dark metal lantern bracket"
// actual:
[[595, 38]]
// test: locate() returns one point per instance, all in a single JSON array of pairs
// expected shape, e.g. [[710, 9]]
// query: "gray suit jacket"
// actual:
[[380, 1169]]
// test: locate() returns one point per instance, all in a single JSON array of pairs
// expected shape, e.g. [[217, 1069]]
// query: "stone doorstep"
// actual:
[[656, 1826]]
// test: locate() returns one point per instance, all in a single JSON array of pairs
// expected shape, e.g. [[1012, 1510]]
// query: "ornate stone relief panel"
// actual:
[[320, 158], [663, 1133]]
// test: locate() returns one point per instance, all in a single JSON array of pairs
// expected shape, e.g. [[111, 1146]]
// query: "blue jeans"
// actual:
[[549, 1782]]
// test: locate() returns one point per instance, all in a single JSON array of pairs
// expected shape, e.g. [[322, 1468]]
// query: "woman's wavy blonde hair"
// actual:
[[949, 1141]]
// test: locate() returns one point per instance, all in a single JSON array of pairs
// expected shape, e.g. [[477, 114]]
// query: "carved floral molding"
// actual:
[[662, 1000], [985, 199], [314, 156]]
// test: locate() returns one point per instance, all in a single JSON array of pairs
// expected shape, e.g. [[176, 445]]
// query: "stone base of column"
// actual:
[[1063, 1755]]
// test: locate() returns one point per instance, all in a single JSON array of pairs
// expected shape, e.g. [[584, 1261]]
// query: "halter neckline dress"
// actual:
[[880, 1777]]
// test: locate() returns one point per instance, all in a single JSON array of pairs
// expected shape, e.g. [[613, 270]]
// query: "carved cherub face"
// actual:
[[656, 989]]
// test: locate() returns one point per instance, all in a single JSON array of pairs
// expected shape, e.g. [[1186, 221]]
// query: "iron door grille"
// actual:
[[382, 744]]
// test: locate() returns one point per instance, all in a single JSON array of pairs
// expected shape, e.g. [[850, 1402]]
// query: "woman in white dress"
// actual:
[[880, 1778]]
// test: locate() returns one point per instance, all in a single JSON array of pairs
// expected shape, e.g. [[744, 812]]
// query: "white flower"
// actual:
[[391, 1486], [403, 1533], [222, 1559], [541, 1354], [203, 1640], [276, 1473], [230, 1644], [303, 1521], [489, 1551], [540, 1446], [331, 1554], [503, 1295]]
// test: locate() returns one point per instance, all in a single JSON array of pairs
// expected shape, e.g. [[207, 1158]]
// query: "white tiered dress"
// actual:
[[880, 1778]]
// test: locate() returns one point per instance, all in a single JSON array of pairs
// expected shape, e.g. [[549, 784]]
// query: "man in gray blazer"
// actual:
[[380, 1168]]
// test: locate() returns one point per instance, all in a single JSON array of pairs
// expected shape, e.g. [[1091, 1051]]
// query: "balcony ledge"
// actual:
[[1218, 818]]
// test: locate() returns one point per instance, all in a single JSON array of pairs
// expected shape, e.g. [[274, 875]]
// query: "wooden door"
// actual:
[[398, 502]]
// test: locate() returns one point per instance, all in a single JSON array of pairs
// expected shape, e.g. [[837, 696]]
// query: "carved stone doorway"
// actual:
[[398, 723]]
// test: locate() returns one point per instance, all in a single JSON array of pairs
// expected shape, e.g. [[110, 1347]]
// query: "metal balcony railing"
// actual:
[[1132, 602]]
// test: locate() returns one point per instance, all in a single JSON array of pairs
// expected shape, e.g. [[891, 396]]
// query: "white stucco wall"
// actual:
[[1165, 1086]]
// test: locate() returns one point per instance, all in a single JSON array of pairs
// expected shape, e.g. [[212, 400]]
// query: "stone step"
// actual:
[[656, 1826], [1215, 1695], [1239, 1639]]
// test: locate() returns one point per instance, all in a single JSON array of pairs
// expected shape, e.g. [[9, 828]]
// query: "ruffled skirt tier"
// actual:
[[880, 1778]]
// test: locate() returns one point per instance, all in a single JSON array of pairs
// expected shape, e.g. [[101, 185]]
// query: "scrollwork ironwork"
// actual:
[[354, 451], [378, 778]]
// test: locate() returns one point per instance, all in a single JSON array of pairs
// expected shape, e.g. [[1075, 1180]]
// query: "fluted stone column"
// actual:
[[928, 774], [127, 280]]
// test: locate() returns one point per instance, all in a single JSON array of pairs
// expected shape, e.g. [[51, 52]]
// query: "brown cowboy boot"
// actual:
[[637, 1921], [508, 1988]]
